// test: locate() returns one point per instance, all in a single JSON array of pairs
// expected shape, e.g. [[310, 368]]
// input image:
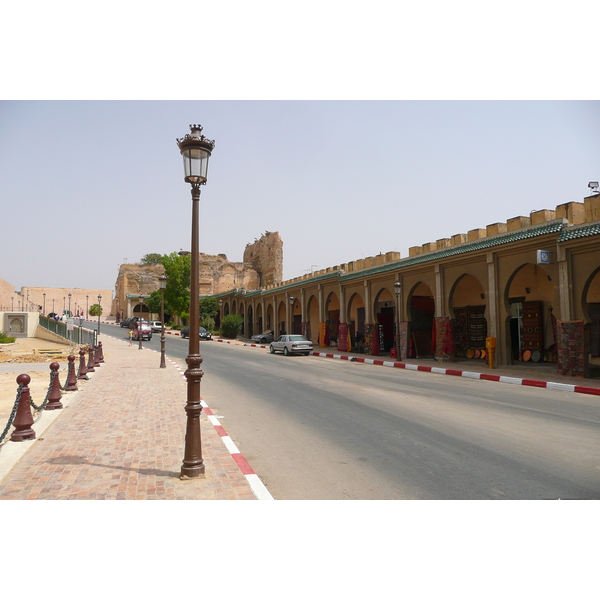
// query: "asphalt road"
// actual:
[[315, 428]]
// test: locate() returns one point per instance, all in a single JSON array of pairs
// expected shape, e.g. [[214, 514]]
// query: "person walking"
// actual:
[[130, 334]]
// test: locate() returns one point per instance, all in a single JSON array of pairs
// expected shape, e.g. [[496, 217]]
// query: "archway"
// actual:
[[332, 319], [281, 326], [469, 325], [296, 319], [531, 326], [250, 327], [312, 320], [356, 321], [591, 312], [384, 311], [421, 308], [259, 318]]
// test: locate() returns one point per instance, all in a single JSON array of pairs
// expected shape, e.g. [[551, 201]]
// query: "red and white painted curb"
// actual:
[[258, 487], [563, 387]]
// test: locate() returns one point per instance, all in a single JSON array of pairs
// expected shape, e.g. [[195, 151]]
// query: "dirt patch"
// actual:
[[27, 351]]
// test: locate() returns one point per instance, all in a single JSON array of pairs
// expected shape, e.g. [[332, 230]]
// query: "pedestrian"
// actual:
[[130, 334]]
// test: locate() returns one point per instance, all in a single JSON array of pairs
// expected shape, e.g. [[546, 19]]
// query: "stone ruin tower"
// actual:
[[265, 256]]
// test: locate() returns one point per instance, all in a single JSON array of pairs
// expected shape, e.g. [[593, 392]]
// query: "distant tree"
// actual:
[[177, 292], [151, 259], [153, 302], [95, 310], [209, 308]]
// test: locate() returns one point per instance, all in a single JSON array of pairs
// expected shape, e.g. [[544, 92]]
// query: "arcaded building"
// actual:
[[531, 284]]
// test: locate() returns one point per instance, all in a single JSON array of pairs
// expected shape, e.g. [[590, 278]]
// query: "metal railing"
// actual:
[[77, 335]]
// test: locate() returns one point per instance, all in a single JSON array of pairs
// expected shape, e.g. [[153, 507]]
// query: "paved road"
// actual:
[[314, 428]]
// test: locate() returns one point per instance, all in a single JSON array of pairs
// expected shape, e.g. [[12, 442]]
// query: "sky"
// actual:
[[89, 185]]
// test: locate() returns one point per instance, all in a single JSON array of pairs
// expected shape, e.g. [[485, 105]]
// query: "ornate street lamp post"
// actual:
[[87, 314], [99, 304], [162, 280], [69, 294], [398, 290], [44, 303], [195, 150], [139, 324], [291, 319]]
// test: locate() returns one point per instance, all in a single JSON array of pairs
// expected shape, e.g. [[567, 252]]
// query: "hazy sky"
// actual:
[[88, 185]]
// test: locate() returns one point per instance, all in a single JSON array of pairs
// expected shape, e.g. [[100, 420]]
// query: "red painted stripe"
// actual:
[[399, 365], [362, 360], [207, 411], [422, 368], [533, 383], [344, 357], [221, 430], [453, 372], [242, 463], [587, 390], [329, 355], [489, 377], [378, 362]]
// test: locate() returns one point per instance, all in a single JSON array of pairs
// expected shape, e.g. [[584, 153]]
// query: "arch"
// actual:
[[528, 299], [332, 318], [271, 319], [420, 312], [468, 305], [259, 318], [281, 314], [356, 318], [384, 312], [250, 322], [312, 318], [590, 305], [296, 317]]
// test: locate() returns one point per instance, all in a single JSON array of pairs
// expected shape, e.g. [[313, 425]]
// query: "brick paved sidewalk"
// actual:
[[122, 437]]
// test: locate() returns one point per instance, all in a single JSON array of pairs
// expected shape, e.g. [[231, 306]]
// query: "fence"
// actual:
[[77, 334]]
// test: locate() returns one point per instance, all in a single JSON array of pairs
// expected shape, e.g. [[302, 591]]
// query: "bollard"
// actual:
[[90, 365], [100, 353], [71, 385], [24, 419], [96, 355], [82, 367], [55, 393]]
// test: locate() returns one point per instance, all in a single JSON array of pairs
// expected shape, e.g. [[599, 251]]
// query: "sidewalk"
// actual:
[[121, 436]]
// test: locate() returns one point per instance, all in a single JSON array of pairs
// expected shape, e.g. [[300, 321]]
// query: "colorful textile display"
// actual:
[[343, 337], [570, 349], [443, 338]]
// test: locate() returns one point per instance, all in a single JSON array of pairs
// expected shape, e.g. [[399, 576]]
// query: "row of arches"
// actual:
[[373, 317]]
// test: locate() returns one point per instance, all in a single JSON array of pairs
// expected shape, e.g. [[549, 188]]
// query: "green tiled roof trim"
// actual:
[[572, 233], [481, 244]]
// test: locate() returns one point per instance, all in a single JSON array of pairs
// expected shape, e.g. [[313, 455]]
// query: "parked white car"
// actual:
[[156, 326], [291, 344]]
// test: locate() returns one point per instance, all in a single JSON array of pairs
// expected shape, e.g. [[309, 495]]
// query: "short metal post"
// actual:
[[55, 393], [71, 385], [24, 418], [82, 367]]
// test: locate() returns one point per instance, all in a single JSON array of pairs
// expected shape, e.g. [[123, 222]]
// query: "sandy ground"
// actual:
[[22, 356]]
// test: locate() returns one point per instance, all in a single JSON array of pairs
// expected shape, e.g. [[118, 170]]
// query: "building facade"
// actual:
[[532, 284]]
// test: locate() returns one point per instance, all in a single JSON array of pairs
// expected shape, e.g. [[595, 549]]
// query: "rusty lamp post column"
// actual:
[[195, 150], [99, 311], [139, 324], [398, 290], [162, 280], [87, 314], [44, 294]]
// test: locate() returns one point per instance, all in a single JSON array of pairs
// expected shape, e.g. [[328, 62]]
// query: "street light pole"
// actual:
[[162, 280], [398, 290], [195, 150], [87, 314], [69, 294], [44, 303], [139, 324], [99, 311]]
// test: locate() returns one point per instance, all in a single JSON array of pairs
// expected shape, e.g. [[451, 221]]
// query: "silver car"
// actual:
[[291, 344], [156, 326]]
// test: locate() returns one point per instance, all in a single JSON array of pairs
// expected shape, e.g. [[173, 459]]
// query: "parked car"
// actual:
[[291, 344], [156, 326], [144, 330], [126, 323], [204, 335], [266, 337]]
